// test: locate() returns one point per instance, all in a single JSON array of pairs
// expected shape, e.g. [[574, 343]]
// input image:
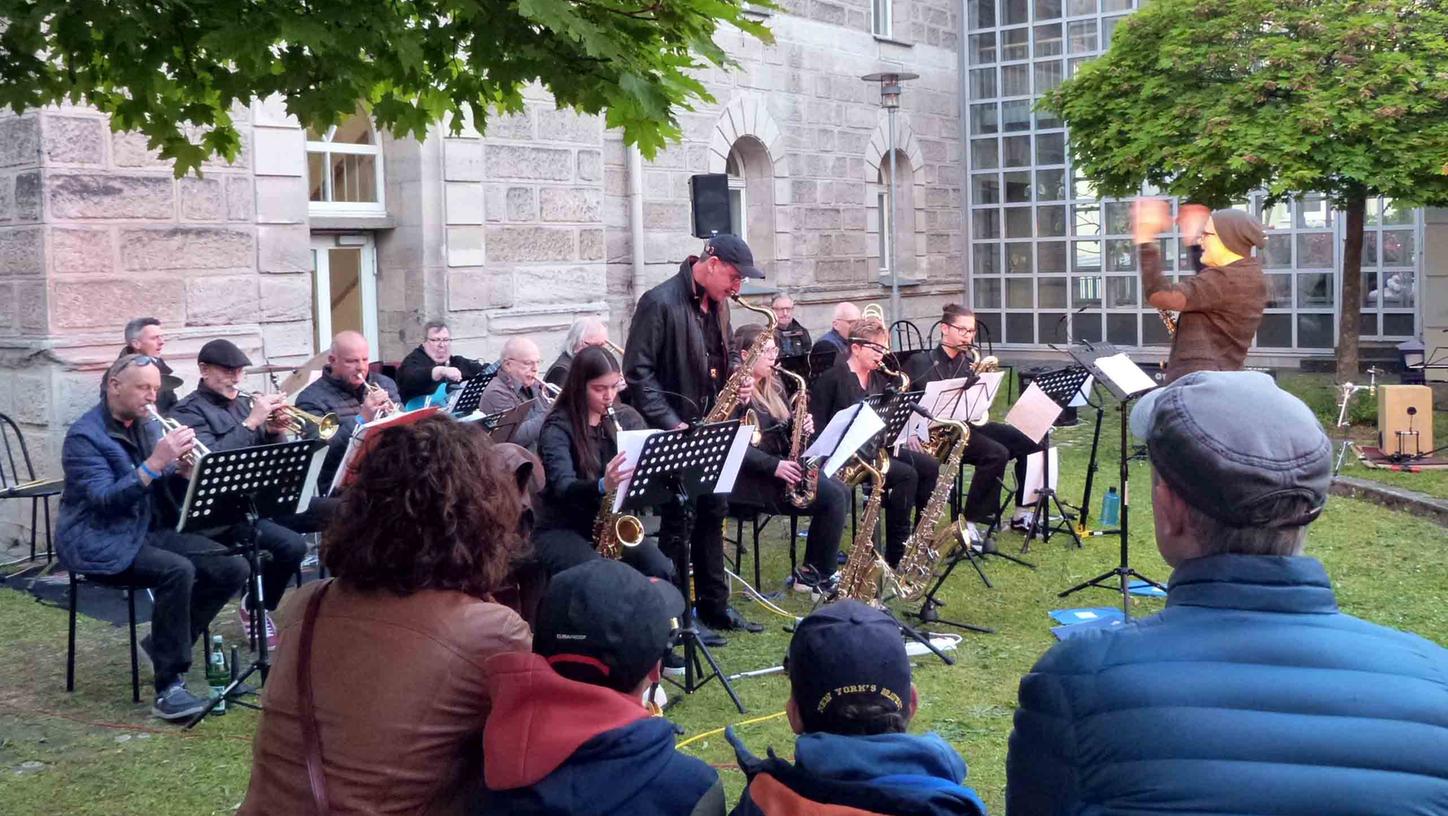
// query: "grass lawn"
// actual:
[[95, 753]]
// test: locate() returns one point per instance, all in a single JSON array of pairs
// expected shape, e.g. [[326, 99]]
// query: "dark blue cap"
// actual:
[[846, 652], [732, 250]]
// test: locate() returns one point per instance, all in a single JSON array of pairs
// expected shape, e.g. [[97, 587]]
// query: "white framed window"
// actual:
[[881, 22], [882, 205], [344, 288], [344, 169], [738, 196]]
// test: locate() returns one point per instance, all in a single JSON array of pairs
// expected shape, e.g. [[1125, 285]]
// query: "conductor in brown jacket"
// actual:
[[1221, 306]]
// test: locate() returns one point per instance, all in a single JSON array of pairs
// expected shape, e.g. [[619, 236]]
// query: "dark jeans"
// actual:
[[1017, 446], [286, 550], [191, 578], [827, 521], [705, 550], [558, 549], [908, 486], [991, 446]]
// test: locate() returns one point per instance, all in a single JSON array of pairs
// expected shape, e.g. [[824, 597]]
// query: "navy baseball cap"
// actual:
[[603, 622], [846, 652], [732, 249]]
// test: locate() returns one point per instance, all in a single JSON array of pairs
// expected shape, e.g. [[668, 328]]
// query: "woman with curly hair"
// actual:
[[377, 698]]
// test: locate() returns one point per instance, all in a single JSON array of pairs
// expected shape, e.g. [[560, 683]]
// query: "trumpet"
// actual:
[[298, 420], [197, 451], [613, 347], [388, 408], [549, 392]]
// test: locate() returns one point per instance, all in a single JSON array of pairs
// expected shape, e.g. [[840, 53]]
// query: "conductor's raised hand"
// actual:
[[1192, 219], [616, 472], [1150, 217]]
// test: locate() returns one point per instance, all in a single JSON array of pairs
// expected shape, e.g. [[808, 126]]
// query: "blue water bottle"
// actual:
[[1110, 508]]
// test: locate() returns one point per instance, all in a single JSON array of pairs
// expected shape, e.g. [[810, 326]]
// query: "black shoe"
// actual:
[[732, 620], [673, 663], [176, 703], [708, 636]]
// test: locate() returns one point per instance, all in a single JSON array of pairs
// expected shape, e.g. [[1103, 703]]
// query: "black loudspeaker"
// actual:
[[709, 194]]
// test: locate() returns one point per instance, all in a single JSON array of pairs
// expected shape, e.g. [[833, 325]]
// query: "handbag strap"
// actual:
[[311, 738]]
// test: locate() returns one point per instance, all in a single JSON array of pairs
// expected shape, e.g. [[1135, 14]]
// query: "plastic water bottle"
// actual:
[[217, 675], [1111, 508]]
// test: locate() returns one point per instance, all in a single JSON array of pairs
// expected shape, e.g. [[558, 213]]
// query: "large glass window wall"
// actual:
[[1044, 245]]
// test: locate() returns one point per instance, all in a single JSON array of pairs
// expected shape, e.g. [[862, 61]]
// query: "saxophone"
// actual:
[[802, 494], [942, 435], [859, 580], [853, 473], [728, 399], [613, 531], [923, 548]]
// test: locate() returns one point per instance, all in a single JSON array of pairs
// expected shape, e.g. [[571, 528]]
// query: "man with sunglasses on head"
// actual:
[[1221, 306], [116, 525], [675, 362], [992, 445], [431, 370]]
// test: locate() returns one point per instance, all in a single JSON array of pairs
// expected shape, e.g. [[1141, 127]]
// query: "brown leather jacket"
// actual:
[[401, 696], [1224, 309]]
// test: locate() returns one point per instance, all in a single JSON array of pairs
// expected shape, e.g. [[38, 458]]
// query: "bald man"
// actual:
[[341, 391], [517, 383], [836, 341]]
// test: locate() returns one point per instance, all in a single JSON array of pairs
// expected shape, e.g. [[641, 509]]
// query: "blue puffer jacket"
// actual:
[[1249, 694], [105, 511]]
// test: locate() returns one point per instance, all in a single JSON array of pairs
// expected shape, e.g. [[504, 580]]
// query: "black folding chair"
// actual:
[[17, 481]]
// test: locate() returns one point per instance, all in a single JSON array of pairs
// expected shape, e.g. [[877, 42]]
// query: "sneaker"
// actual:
[[176, 703], [805, 579], [244, 615], [673, 663], [1021, 524]]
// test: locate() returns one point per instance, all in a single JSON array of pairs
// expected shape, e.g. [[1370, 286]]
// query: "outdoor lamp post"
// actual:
[[890, 101]]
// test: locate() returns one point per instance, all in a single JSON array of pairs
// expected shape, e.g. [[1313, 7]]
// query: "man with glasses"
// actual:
[[790, 335], [517, 383], [431, 370], [116, 525], [1221, 306], [834, 342], [912, 474], [676, 361], [992, 444]]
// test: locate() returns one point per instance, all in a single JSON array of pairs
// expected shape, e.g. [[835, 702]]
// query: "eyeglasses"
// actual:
[[873, 346], [959, 328], [524, 363], [439, 340]]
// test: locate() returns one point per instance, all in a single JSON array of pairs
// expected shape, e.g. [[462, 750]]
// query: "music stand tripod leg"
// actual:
[[256, 604]]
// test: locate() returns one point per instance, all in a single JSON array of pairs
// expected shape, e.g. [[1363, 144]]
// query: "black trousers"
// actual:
[[286, 548], [191, 578], [827, 520], [908, 485], [990, 448], [558, 549], [705, 550]]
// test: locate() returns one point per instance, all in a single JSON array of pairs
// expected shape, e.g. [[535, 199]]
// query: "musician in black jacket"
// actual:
[[581, 463], [431, 369], [912, 474], [992, 444], [768, 471], [144, 336], [676, 361]]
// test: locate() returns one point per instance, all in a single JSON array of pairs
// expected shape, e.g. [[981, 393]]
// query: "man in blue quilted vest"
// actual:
[[1251, 693]]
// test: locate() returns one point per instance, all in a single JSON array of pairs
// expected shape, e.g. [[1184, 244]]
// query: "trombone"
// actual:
[[298, 420], [613, 347]]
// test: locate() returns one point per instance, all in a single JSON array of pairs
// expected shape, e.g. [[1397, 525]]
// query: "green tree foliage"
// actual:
[[1212, 99], [175, 69]]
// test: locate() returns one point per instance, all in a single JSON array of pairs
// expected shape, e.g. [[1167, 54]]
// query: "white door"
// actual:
[[344, 288]]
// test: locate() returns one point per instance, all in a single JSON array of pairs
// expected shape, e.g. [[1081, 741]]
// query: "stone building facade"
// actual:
[[545, 218]]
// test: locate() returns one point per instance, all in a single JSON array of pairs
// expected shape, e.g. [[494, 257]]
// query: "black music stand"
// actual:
[[502, 425], [238, 488], [1061, 386], [466, 400], [1087, 354], [678, 467]]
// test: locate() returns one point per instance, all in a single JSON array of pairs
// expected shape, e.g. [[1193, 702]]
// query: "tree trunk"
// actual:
[[1352, 290]]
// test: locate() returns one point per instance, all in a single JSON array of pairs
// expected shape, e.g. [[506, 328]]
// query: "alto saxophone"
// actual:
[[942, 435], [802, 493], [924, 547], [728, 400], [859, 580], [612, 531], [853, 473]]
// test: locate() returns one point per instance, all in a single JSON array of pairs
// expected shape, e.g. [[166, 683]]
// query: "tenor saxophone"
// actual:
[[802, 493], [613, 531], [728, 400], [854, 473], [859, 580], [924, 547]]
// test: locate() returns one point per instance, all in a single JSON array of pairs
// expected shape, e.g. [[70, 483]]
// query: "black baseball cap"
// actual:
[[603, 622], [733, 250], [846, 652], [222, 353]]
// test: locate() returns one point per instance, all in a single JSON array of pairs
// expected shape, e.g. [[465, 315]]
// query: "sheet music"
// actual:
[[1079, 400], [849, 429], [1033, 474], [630, 444], [742, 437], [1126, 375], [942, 398], [829, 438], [359, 435], [1034, 413], [978, 398], [309, 489]]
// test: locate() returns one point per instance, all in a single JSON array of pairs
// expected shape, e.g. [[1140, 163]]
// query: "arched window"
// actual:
[[904, 211], [344, 168], [751, 196]]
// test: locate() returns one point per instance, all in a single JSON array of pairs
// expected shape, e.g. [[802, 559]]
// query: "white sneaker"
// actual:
[[655, 699]]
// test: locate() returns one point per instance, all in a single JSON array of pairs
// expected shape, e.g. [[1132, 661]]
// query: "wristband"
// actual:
[[602, 489], [146, 469]]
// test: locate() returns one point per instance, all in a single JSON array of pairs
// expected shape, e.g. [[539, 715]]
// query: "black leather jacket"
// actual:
[[217, 420], [665, 361]]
